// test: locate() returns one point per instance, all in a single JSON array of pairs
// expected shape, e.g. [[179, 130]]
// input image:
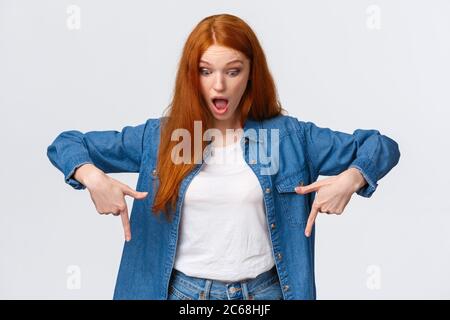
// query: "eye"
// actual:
[[204, 71], [234, 72]]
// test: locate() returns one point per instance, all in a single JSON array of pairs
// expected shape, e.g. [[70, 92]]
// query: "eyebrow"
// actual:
[[230, 62]]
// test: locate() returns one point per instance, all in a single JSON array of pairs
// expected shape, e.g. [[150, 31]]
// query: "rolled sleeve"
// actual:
[[331, 152], [111, 151]]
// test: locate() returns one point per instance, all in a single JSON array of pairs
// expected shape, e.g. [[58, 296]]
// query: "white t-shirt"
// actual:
[[223, 229]]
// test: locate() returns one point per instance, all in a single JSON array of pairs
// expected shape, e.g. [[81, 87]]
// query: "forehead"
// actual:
[[216, 54]]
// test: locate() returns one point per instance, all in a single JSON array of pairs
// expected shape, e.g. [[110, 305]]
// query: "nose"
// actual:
[[219, 82]]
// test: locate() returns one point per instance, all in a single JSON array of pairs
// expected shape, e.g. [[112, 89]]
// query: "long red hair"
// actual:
[[259, 101]]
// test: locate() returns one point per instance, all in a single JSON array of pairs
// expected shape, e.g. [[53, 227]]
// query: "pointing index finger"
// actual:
[[311, 220], [126, 224]]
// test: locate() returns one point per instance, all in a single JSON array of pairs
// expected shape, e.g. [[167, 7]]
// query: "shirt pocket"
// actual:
[[293, 205]]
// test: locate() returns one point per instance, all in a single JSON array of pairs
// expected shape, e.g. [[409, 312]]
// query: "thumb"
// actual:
[[135, 194]]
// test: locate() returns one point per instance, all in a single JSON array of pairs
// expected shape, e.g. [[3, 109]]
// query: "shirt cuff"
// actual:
[[74, 165], [369, 173]]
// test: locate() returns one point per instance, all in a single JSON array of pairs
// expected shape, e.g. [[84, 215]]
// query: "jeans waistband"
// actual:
[[258, 283]]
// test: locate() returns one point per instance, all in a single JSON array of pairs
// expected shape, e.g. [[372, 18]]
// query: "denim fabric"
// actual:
[[265, 286], [305, 152]]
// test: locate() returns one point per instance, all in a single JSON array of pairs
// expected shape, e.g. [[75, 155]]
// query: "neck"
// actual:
[[231, 124]]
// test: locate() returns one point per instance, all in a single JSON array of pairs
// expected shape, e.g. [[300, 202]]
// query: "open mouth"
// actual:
[[220, 105]]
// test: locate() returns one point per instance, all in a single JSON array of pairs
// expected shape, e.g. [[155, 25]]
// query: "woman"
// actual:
[[228, 212]]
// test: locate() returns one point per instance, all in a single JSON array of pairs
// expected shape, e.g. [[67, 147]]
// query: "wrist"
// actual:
[[88, 174], [358, 180]]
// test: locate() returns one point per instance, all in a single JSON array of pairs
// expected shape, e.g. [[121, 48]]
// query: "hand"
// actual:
[[333, 194], [108, 195]]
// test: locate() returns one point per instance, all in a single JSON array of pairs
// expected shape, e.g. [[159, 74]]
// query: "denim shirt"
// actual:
[[305, 151]]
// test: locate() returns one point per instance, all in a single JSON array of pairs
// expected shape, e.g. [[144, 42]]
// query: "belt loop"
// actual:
[[204, 294], [245, 293]]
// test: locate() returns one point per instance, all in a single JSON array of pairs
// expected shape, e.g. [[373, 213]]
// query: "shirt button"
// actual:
[[272, 225], [279, 256], [154, 172], [267, 190], [286, 288]]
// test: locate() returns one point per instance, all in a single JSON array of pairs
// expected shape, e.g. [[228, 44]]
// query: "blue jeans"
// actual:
[[265, 286]]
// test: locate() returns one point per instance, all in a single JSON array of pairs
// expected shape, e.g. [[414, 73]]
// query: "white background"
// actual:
[[336, 63]]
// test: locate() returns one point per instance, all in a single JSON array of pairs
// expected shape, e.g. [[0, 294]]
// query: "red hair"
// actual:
[[259, 101]]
